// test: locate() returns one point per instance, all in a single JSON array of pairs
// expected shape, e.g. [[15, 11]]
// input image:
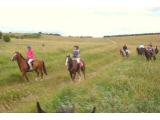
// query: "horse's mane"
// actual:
[[21, 55], [69, 57]]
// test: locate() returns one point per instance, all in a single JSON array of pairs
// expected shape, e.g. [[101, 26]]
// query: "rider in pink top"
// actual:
[[30, 53], [30, 56]]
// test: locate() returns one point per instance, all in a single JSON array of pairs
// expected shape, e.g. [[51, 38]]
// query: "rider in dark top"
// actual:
[[125, 47], [150, 48], [76, 52]]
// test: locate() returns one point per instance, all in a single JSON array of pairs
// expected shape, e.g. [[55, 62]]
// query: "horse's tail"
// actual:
[[156, 50], [44, 69], [83, 68]]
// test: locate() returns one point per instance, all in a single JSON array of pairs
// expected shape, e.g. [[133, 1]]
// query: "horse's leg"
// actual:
[[79, 71], [127, 54], [79, 74], [37, 75], [83, 71], [154, 57], [121, 52], [71, 74], [41, 71], [148, 58], [74, 76], [25, 76]]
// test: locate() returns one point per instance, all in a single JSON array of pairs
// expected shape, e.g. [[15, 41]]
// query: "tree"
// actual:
[[1, 35], [6, 38]]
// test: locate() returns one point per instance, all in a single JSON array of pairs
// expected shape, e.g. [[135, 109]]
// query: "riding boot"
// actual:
[[30, 67]]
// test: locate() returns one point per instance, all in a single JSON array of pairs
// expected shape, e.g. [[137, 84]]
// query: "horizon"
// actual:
[[95, 18], [54, 33]]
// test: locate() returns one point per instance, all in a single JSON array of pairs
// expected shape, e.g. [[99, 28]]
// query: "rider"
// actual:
[[141, 45], [125, 48], [30, 56], [76, 54], [150, 48]]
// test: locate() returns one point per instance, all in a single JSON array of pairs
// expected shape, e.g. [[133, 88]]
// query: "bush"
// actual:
[[6, 38], [32, 35], [0, 35]]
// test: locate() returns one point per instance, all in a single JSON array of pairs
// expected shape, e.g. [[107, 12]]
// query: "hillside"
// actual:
[[113, 83]]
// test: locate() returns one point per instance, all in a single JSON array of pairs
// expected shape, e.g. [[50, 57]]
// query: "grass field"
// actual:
[[113, 84]]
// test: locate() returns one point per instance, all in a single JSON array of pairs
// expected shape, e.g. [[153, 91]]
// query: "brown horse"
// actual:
[[38, 66], [123, 53], [74, 67]]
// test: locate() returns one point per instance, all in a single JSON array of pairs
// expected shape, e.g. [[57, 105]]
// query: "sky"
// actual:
[[80, 17]]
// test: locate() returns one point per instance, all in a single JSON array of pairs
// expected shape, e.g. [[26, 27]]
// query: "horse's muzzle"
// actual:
[[12, 59]]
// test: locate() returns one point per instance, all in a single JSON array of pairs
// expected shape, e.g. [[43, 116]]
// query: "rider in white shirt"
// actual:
[[141, 46]]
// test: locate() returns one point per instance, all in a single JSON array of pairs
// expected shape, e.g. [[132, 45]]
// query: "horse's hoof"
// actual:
[[74, 81], [36, 79]]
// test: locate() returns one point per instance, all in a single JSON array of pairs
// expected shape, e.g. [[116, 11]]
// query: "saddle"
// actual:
[[80, 62]]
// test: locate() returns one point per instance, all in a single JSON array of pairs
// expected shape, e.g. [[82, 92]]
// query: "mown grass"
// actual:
[[113, 84]]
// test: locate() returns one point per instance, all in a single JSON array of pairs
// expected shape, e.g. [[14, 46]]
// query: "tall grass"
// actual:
[[113, 84]]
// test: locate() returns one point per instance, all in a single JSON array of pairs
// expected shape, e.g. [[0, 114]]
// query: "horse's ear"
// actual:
[[16, 52], [68, 55]]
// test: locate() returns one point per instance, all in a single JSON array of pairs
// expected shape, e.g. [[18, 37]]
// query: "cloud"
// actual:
[[155, 11], [81, 17]]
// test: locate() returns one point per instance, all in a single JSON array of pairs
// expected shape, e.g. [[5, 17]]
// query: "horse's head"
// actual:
[[68, 60], [15, 56]]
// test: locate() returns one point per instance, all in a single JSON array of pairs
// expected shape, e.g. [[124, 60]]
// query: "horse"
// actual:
[[123, 53], [38, 66], [74, 67], [140, 51], [150, 54]]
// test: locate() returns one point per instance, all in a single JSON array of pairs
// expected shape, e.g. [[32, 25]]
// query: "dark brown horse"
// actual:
[[140, 51], [38, 66], [74, 67], [151, 54]]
